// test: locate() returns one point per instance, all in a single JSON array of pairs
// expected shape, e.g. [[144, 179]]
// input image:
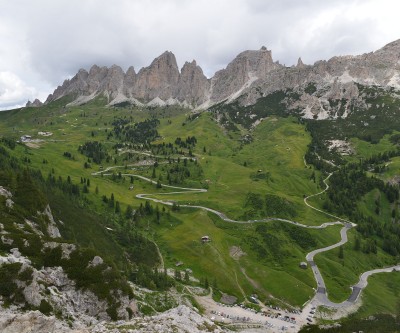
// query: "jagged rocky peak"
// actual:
[[130, 76], [159, 79], [36, 103], [162, 83], [129, 82], [77, 86], [112, 84], [246, 68], [96, 75], [300, 63], [258, 62], [193, 84]]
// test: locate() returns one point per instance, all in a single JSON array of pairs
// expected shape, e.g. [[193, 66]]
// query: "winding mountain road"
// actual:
[[321, 295]]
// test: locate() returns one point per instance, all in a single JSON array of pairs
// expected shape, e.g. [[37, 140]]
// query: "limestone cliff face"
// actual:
[[251, 75], [193, 85], [241, 73], [112, 82], [160, 79], [129, 82]]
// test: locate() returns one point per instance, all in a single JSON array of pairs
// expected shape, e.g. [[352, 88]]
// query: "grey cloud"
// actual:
[[48, 41]]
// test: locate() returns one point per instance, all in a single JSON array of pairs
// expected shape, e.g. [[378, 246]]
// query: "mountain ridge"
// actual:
[[250, 75]]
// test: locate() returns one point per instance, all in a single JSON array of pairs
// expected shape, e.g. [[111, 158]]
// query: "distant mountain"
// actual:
[[35, 103], [251, 75]]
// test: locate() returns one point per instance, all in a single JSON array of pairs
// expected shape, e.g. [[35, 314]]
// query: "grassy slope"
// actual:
[[278, 147], [340, 274], [382, 295]]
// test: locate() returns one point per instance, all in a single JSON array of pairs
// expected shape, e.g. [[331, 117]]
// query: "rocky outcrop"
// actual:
[[160, 79], [129, 82], [180, 319], [52, 228], [41, 271], [251, 75], [53, 286], [241, 73], [193, 85], [30, 322], [36, 103], [112, 83]]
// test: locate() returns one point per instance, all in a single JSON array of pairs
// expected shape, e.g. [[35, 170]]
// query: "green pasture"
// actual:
[[232, 168]]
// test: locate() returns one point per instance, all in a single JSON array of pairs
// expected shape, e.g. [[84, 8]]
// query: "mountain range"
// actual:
[[249, 76]]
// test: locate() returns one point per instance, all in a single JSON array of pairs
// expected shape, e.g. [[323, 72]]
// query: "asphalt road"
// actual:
[[321, 295]]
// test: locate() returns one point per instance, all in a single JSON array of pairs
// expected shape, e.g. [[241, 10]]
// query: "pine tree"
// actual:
[[341, 254], [129, 212], [357, 244], [117, 207], [111, 201]]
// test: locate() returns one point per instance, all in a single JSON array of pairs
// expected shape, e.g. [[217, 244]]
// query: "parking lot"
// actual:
[[269, 319]]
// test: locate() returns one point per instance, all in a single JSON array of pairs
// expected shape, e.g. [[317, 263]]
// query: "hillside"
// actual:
[[277, 198]]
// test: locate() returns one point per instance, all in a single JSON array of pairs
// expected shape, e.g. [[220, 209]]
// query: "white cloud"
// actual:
[[13, 91], [45, 41]]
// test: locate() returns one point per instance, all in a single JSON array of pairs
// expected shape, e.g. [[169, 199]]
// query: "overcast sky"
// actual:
[[43, 42]]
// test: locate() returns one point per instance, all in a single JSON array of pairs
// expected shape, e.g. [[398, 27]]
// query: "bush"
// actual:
[[112, 312], [26, 275], [45, 307], [7, 275]]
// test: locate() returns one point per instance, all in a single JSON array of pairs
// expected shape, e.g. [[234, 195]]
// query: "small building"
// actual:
[[26, 138], [205, 239], [303, 265], [45, 133], [179, 263], [131, 187]]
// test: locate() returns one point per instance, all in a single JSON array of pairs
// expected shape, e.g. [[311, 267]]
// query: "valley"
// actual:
[[213, 188], [243, 201]]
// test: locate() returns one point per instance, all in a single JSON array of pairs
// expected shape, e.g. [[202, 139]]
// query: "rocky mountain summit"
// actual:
[[35, 103], [160, 83], [250, 76]]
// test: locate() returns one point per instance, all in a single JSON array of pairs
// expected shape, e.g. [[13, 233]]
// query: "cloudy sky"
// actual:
[[43, 42]]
